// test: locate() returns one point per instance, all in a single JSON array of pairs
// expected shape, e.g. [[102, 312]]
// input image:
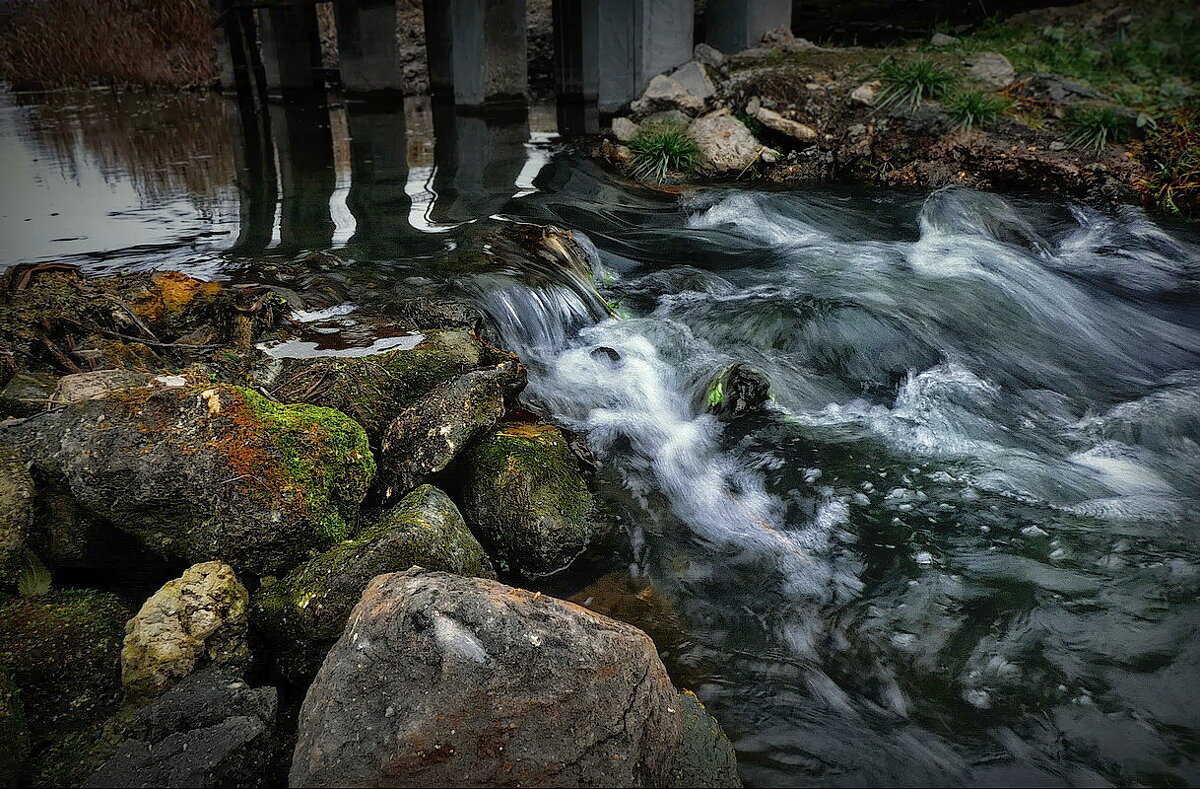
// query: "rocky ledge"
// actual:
[[933, 114], [224, 564]]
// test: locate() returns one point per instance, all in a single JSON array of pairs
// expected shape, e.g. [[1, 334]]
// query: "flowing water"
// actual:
[[959, 545]]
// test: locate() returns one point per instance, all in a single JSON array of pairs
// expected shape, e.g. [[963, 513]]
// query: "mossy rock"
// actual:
[[373, 389], [304, 613], [27, 393], [207, 472], [16, 514], [705, 757], [14, 732], [524, 496], [63, 651]]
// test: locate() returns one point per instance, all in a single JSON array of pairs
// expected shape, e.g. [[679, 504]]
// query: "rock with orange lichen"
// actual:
[[440, 680], [206, 471]]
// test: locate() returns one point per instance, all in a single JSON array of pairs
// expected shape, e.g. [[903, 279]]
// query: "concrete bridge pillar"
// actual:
[[291, 48], [477, 50], [610, 49], [734, 25], [367, 48]]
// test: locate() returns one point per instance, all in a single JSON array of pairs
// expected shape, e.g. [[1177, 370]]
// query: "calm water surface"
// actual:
[[961, 546]]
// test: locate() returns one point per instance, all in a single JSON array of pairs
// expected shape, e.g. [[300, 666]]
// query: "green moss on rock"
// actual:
[[210, 471], [524, 495], [16, 514], [705, 756], [305, 612], [14, 732], [63, 651], [372, 389]]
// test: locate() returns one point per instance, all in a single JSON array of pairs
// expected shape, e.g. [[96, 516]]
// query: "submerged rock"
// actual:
[[424, 438], [737, 389], [304, 613], [207, 472], [16, 514], [210, 730], [62, 650], [471, 682], [524, 496], [196, 620], [373, 389], [724, 143]]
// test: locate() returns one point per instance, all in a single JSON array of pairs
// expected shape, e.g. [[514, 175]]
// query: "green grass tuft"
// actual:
[[1096, 127], [908, 84], [657, 153], [973, 108]]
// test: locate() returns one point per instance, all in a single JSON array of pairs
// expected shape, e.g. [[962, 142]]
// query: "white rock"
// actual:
[[942, 40], [694, 79], [666, 93], [725, 144], [867, 93], [993, 69], [753, 105], [709, 56], [794, 129], [625, 130]]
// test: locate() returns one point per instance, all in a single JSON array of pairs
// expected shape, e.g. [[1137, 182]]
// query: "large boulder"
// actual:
[[304, 613], [724, 143], [195, 620], [425, 437], [16, 514], [203, 472], [374, 389], [210, 730], [63, 651], [525, 497], [440, 680]]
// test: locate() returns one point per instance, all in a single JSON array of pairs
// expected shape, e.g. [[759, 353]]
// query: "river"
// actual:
[[961, 545]]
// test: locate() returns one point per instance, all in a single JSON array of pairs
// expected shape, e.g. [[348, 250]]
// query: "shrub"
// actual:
[[77, 43], [973, 108], [1096, 127], [911, 83], [659, 152]]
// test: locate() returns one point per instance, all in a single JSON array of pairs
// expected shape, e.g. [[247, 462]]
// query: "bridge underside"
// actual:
[[605, 51]]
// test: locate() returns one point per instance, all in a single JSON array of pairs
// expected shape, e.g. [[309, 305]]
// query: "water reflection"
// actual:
[[141, 180]]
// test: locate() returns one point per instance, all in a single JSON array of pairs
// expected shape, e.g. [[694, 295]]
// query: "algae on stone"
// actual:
[[207, 472], [373, 389], [525, 496], [16, 514], [303, 613], [63, 651], [196, 620]]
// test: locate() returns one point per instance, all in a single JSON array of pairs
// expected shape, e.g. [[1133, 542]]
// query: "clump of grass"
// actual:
[[974, 108], [1172, 154], [1096, 127], [913, 82], [657, 153]]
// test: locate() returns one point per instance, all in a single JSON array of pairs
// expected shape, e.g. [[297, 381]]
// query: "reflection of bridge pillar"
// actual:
[[367, 48], [479, 158], [291, 47], [379, 174], [611, 49], [254, 156], [734, 25], [479, 47], [304, 145]]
